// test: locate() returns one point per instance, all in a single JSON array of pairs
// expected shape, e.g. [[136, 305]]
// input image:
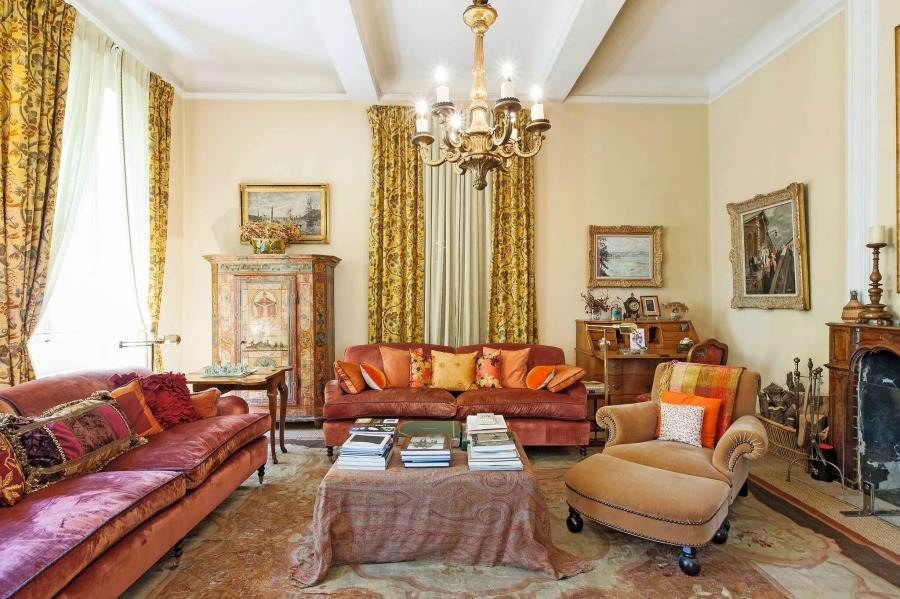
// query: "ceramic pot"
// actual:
[[268, 246], [851, 311]]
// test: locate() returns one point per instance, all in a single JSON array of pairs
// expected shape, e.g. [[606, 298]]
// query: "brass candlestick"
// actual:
[[875, 312]]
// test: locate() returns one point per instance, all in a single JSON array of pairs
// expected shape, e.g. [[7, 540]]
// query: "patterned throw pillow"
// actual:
[[74, 438], [487, 371], [421, 371], [131, 401], [564, 376], [350, 376], [513, 366], [453, 372], [12, 479], [539, 377], [711, 407], [680, 423], [167, 394], [374, 378]]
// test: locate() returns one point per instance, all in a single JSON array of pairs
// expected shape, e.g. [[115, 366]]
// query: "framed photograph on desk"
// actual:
[[650, 305]]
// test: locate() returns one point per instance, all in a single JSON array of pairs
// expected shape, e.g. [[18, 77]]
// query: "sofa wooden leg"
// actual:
[[689, 562], [330, 451], [176, 554], [722, 534], [261, 471], [574, 521], [744, 490], [583, 450]]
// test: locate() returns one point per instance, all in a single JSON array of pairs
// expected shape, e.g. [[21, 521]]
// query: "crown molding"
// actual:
[[636, 100], [287, 96], [727, 78]]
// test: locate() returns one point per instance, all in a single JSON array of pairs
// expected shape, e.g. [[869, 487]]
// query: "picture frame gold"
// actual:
[[307, 205], [769, 258], [625, 256], [897, 136]]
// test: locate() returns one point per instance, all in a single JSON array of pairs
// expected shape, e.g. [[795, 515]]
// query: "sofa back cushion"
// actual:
[[36, 397], [371, 354], [540, 355]]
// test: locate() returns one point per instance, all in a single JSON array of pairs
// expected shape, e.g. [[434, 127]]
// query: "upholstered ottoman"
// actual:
[[624, 495]]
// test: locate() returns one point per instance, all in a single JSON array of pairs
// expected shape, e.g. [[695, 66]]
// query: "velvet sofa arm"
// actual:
[[745, 438], [230, 405], [630, 423], [333, 390], [578, 390]]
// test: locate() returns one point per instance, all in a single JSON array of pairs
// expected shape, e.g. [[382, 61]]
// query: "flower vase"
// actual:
[[268, 245]]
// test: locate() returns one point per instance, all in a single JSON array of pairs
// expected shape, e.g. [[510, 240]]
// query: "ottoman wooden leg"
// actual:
[[722, 534], [177, 550], [689, 563], [583, 450], [574, 521], [261, 471], [330, 452]]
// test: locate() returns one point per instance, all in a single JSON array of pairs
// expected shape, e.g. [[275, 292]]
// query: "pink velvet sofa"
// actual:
[[94, 535], [537, 417]]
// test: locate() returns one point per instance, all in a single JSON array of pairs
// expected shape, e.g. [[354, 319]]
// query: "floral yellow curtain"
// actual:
[[35, 46], [161, 97], [397, 229], [512, 314]]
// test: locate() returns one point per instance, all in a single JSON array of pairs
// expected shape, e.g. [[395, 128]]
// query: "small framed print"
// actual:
[[637, 339], [650, 305]]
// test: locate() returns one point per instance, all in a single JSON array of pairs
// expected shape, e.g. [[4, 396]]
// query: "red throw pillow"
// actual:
[[167, 394], [12, 480]]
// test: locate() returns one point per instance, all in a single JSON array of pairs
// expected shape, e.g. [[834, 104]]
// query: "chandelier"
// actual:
[[482, 146]]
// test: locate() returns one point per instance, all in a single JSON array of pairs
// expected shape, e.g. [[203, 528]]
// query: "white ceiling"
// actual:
[[377, 50]]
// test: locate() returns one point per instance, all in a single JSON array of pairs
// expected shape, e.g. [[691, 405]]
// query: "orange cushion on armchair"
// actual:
[[711, 407]]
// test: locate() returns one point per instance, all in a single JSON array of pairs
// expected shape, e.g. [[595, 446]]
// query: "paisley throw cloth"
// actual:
[[35, 47], [494, 518]]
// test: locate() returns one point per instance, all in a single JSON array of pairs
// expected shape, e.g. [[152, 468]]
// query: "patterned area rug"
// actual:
[[248, 545]]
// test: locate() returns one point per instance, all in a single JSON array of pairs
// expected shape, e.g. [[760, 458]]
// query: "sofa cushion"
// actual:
[[539, 377], [166, 393], [513, 366], [374, 378], [399, 403], [56, 532], [521, 403], [564, 376], [131, 401], [12, 479], [711, 406], [206, 403], [671, 456], [453, 372], [397, 365], [196, 448], [540, 355], [370, 353], [421, 369], [350, 376], [487, 371]]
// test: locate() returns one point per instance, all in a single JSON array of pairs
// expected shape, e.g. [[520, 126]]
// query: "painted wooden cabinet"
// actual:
[[277, 310]]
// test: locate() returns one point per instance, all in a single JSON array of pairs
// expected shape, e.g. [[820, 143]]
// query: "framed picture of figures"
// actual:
[[769, 260], [624, 256], [305, 205]]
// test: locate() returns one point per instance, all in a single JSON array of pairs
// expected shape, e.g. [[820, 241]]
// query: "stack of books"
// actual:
[[484, 423], [426, 451], [493, 450], [365, 451], [387, 426]]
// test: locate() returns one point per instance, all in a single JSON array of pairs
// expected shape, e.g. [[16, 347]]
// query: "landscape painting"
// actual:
[[624, 256], [303, 205], [768, 251]]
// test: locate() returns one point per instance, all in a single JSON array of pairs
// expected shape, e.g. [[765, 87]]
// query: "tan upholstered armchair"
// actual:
[[696, 485]]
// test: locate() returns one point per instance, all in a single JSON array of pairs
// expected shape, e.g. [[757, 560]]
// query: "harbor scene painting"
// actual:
[[625, 256], [303, 205]]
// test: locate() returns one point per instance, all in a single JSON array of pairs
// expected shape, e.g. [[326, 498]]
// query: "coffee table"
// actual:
[[433, 514]]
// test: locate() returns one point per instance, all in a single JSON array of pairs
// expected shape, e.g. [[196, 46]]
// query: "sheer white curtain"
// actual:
[[97, 288], [457, 258]]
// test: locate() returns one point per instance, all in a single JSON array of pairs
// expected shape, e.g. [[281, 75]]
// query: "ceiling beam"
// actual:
[[343, 38], [587, 27]]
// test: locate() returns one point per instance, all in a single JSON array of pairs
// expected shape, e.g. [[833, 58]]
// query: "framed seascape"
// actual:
[[304, 205], [769, 260], [624, 256]]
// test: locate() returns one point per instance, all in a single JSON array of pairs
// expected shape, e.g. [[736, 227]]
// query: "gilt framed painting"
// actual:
[[769, 260], [303, 205], [624, 256]]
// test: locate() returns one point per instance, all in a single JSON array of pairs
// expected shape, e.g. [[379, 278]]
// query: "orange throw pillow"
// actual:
[[134, 406], [206, 403], [513, 366], [539, 377], [396, 366], [711, 407], [350, 376], [566, 376], [420, 369], [374, 378]]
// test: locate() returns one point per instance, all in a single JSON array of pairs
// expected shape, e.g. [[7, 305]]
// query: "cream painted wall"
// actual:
[[888, 18], [785, 123], [614, 164]]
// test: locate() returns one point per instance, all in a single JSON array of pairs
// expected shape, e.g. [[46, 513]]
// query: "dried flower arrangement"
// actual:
[[270, 229], [594, 304]]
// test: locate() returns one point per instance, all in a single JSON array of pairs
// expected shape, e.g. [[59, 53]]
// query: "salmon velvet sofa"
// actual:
[[95, 534], [538, 417]]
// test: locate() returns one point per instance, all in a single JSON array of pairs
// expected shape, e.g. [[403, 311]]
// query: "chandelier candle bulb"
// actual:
[[506, 89], [537, 111], [421, 124], [876, 234]]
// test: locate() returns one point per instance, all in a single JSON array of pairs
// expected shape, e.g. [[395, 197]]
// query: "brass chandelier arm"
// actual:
[[537, 140]]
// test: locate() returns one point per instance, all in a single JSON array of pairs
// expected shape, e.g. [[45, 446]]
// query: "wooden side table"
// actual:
[[271, 380]]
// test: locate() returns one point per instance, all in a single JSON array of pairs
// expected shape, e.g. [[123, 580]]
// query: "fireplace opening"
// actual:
[[879, 424]]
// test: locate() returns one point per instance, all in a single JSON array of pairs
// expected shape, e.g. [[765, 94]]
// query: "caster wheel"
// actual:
[[574, 521], [688, 561]]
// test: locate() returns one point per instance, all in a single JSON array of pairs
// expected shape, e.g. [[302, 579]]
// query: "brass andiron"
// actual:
[[875, 312]]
